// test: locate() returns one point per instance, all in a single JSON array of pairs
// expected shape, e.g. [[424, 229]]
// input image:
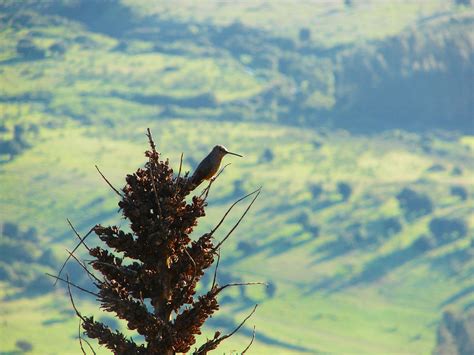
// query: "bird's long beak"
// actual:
[[235, 154]]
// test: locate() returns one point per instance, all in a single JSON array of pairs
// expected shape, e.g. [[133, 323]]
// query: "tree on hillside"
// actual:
[[305, 34], [149, 275], [345, 190], [455, 334], [414, 204], [446, 229], [27, 49], [463, 2], [459, 191]]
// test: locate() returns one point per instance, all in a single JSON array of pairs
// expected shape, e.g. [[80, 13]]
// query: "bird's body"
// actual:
[[209, 166]]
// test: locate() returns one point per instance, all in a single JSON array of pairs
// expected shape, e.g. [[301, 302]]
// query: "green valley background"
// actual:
[[356, 117]]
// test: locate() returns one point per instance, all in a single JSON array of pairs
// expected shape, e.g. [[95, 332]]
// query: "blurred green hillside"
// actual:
[[355, 116]]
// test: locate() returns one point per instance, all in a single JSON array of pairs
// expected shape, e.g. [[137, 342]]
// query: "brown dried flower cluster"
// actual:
[[149, 276]]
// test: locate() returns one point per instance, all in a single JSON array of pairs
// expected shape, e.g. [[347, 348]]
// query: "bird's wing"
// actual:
[[201, 171]]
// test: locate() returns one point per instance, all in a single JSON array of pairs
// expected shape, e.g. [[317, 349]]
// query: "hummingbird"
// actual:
[[209, 166]]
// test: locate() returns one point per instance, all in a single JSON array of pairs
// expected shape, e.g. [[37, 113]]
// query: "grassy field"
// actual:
[[352, 274], [389, 314]]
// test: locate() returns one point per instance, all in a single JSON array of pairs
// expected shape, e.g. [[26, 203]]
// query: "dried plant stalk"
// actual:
[[158, 262]]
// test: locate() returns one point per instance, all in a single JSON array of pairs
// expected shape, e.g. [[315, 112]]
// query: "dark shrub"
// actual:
[[345, 190], [12, 148], [245, 247], [24, 345], [316, 190], [302, 218], [267, 156], [313, 229], [448, 228], [26, 48], [390, 226], [58, 48], [10, 229], [423, 243], [459, 191], [304, 34], [435, 168], [414, 204], [456, 171]]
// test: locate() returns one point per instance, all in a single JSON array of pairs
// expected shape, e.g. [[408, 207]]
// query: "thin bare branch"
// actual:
[[212, 344], [180, 166], [238, 222], [80, 338], [84, 267], [77, 234], [81, 241], [76, 286], [90, 346], [81, 319], [205, 192], [241, 324], [70, 296], [215, 271], [230, 209], [241, 284], [251, 341], [108, 182], [179, 172]]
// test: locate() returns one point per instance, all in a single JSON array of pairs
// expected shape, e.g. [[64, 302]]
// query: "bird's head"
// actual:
[[220, 150]]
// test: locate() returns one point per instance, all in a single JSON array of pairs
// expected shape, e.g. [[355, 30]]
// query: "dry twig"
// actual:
[[238, 222], [108, 182], [241, 284], [230, 209], [76, 286], [80, 338], [77, 234], [215, 271], [81, 241], [251, 341], [84, 267]]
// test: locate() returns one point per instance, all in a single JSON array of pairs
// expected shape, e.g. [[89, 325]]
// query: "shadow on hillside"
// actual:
[[228, 325], [274, 248], [328, 283], [385, 264], [375, 269], [451, 263], [331, 250], [16, 60], [207, 100], [458, 295]]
